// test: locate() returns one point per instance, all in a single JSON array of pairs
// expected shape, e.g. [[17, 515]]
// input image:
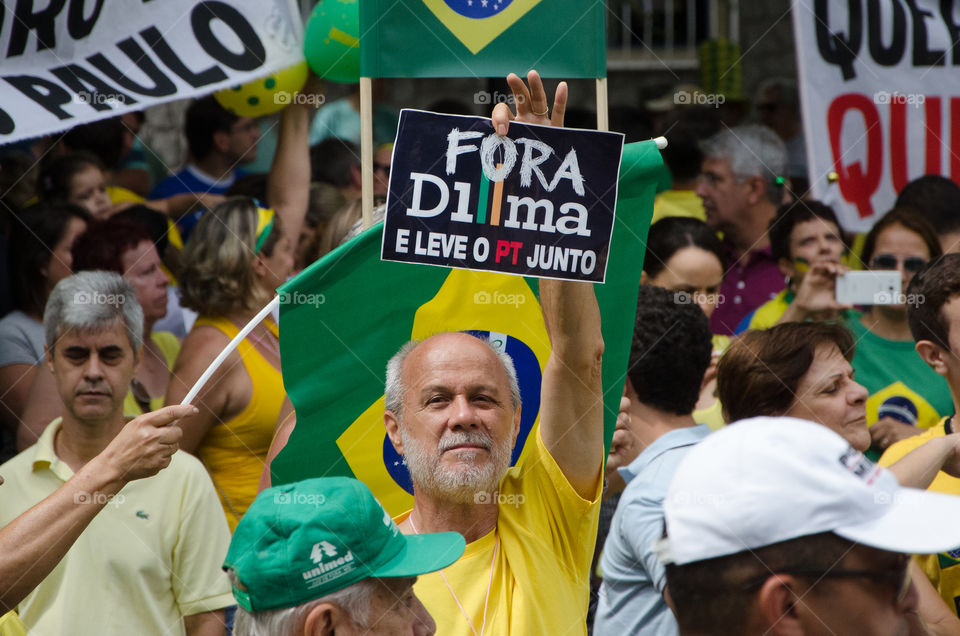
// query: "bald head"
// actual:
[[441, 351]]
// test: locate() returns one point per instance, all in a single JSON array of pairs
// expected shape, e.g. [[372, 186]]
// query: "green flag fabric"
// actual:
[[343, 318], [482, 38]]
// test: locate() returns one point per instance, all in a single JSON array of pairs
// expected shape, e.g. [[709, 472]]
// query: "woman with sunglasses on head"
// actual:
[[906, 395]]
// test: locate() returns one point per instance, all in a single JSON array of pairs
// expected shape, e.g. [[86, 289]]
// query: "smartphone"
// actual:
[[876, 287]]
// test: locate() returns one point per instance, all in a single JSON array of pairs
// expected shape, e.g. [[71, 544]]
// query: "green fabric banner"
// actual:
[[482, 38], [343, 317]]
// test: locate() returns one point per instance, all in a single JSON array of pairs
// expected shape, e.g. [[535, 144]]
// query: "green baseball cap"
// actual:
[[304, 540]]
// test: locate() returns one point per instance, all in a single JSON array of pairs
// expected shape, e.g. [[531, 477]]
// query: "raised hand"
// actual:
[[532, 106]]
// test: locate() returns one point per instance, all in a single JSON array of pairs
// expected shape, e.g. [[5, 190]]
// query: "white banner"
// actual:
[[69, 62], [880, 95]]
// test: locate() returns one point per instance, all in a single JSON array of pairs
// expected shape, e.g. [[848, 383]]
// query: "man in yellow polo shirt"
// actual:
[[935, 325], [149, 563], [453, 411]]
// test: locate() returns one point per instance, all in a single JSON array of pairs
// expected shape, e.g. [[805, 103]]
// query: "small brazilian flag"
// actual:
[[343, 317], [482, 38]]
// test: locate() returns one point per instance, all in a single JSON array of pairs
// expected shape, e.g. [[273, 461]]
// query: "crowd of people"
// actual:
[[739, 495]]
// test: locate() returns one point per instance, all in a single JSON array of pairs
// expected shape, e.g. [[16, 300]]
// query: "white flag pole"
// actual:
[[229, 349], [603, 117], [366, 151]]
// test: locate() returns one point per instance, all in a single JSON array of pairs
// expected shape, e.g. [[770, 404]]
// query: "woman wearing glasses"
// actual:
[[906, 395]]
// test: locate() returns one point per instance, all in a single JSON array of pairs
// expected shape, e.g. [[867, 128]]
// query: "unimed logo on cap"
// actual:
[[330, 565], [855, 461]]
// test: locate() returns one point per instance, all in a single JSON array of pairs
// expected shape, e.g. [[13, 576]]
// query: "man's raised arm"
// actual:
[[571, 400], [571, 396]]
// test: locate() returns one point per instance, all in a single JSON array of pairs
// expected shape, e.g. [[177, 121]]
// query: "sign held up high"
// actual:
[[537, 202]]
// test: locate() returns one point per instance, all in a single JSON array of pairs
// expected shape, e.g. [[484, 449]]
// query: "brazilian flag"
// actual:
[[482, 38], [343, 317]]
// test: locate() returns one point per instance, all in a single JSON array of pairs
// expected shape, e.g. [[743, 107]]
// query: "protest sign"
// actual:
[[538, 202], [343, 317], [880, 100], [70, 62]]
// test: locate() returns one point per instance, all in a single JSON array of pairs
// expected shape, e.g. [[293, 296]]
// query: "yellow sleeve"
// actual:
[[10, 625], [551, 513]]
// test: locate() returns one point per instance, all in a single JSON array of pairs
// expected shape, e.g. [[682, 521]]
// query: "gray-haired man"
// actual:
[[741, 185], [149, 562]]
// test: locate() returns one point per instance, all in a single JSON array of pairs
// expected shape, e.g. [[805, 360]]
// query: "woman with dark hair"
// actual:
[[685, 256], [906, 395], [40, 244], [802, 369], [808, 245]]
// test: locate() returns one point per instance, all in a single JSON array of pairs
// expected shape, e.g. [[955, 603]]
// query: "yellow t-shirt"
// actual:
[[678, 203], [541, 571], [767, 314], [712, 416], [942, 569], [151, 556], [11, 625]]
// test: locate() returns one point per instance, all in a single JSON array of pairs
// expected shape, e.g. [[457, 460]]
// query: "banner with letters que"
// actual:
[[537, 202], [880, 96], [70, 62]]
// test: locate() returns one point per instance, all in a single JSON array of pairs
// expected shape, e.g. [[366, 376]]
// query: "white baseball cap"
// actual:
[[769, 479]]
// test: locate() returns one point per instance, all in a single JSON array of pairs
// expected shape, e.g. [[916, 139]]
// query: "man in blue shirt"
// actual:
[[219, 142], [668, 358]]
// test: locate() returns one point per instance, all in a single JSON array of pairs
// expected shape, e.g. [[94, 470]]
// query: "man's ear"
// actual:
[[757, 189], [392, 423], [934, 355], [516, 424], [322, 620], [137, 360], [644, 279], [48, 356], [221, 140], [778, 608]]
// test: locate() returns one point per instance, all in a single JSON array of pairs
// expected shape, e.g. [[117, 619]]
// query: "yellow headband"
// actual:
[[264, 226]]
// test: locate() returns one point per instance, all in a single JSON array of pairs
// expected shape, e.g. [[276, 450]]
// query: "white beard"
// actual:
[[458, 485]]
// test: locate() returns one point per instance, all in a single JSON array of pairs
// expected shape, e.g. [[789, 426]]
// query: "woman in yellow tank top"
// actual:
[[235, 258]]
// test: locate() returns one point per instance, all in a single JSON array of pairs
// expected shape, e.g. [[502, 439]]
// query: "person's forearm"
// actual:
[[34, 543], [572, 319], [918, 468], [288, 183]]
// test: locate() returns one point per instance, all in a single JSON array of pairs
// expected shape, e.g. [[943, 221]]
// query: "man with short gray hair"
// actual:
[[741, 184], [149, 562]]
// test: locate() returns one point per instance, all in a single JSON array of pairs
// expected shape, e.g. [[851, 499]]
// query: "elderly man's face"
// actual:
[[724, 196], [93, 371], [458, 425]]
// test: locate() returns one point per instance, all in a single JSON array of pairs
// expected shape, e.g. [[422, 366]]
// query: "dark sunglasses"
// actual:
[[899, 578], [912, 264]]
